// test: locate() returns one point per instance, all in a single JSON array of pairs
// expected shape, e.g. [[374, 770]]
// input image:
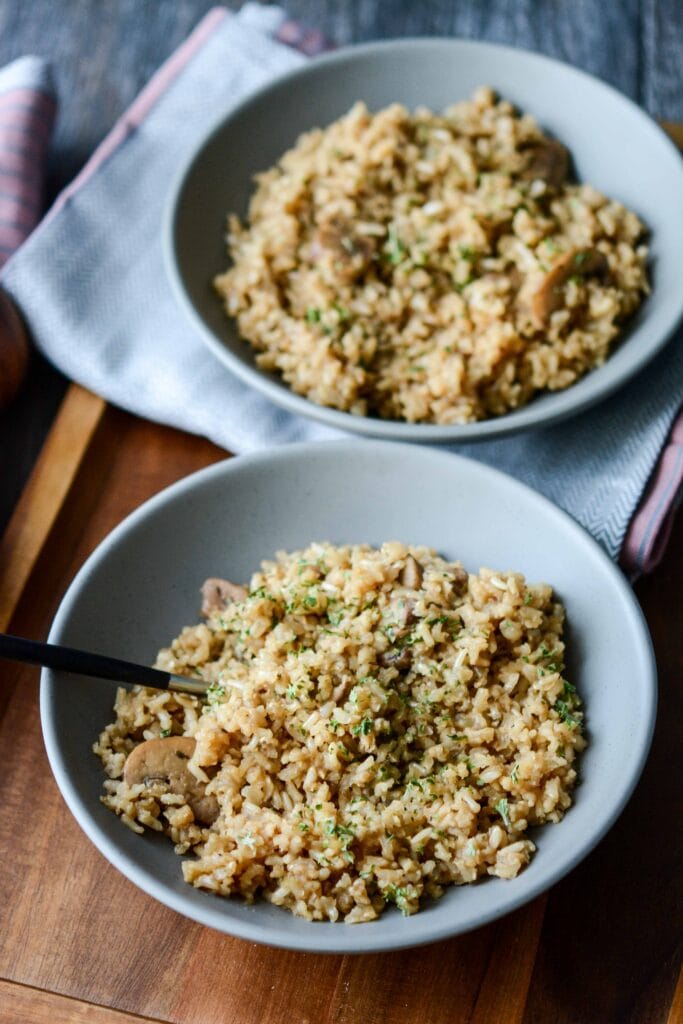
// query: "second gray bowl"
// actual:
[[616, 147]]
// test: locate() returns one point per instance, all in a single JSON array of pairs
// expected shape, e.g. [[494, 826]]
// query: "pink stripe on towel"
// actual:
[[26, 119], [11, 235], [29, 96], [650, 528], [12, 209], [20, 139]]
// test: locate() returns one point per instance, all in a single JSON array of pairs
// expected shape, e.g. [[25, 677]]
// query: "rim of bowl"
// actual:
[[563, 404], [349, 939]]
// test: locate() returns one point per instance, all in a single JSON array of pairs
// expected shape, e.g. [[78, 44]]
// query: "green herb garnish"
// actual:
[[394, 248], [565, 714], [214, 693], [502, 808], [363, 728], [342, 312]]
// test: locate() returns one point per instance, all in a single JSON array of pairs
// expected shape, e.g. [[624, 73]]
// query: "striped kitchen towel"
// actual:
[[104, 313], [27, 114]]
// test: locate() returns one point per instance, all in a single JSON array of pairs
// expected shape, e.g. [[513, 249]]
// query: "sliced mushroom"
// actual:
[[217, 594], [548, 160], [411, 575], [350, 251], [401, 660], [460, 576], [548, 298], [404, 612], [164, 761]]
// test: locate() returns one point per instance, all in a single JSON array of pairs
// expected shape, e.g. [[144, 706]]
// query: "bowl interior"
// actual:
[[141, 586], [615, 146]]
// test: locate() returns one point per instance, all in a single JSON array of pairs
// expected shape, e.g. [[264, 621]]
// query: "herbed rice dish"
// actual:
[[431, 268], [379, 725]]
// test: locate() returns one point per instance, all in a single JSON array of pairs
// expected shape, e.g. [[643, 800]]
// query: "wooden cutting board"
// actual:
[[79, 943]]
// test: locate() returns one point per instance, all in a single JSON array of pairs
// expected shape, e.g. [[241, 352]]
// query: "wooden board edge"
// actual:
[[676, 1009], [24, 1004], [675, 131], [50, 483]]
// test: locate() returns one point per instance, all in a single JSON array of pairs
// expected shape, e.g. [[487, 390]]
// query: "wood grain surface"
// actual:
[[603, 946], [32, 1006]]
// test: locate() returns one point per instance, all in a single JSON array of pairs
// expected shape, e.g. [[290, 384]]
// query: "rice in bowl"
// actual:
[[380, 724], [431, 268]]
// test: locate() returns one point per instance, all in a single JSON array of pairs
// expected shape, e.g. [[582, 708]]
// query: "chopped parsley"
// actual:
[[342, 312], [502, 808], [461, 285], [214, 693], [394, 249], [565, 714], [313, 315], [364, 728], [164, 733], [344, 832], [398, 895]]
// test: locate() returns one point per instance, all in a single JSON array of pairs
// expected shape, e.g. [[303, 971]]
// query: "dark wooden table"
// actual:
[[610, 948]]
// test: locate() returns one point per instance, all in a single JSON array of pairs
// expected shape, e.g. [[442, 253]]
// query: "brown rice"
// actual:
[[431, 268], [376, 729]]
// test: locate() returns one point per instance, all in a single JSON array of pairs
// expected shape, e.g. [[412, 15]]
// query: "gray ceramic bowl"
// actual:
[[616, 147], [141, 586]]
